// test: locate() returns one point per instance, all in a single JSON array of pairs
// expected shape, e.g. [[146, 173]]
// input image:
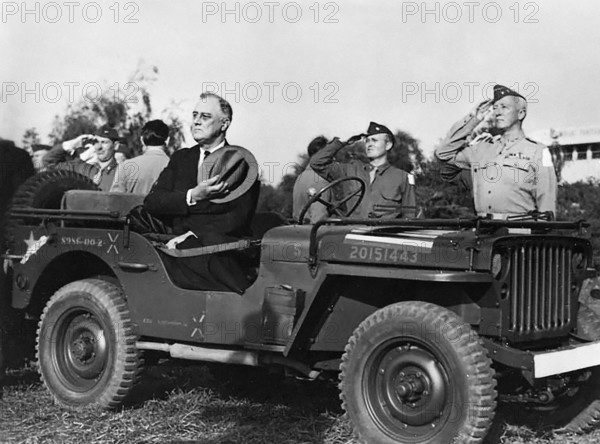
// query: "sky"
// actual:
[[294, 70]]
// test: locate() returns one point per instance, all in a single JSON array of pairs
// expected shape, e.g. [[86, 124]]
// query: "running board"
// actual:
[[225, 356]]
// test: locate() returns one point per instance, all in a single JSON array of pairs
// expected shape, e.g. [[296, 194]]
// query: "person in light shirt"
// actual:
[[137, 175]]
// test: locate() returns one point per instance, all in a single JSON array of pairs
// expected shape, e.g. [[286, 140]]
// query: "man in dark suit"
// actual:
[[209, 194]]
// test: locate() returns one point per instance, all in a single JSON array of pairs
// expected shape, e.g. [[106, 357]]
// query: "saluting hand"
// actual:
[[482, 109], [356, 138]]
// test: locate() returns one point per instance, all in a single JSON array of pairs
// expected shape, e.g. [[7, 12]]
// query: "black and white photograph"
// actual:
[[335, 222]]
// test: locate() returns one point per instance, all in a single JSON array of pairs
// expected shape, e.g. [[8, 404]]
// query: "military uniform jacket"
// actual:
[[306, 181], [510, 176], [390, 195]]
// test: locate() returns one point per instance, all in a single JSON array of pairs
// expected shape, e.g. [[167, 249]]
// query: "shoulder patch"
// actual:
[[547, 158], [411, 179]]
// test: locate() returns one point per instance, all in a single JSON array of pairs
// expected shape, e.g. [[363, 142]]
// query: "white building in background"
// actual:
[[578, 148]]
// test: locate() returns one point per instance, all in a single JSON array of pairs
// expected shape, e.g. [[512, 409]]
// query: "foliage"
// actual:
[[30, 137], [439, 198], [581, 200], [171, 117], [126, 109]]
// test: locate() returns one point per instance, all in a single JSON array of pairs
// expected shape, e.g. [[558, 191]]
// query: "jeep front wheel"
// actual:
[[86, 345], [414, 372]]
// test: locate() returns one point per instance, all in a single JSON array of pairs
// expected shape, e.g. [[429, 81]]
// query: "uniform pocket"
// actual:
[[521, 171]]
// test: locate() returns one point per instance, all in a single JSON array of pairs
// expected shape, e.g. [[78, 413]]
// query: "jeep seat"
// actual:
[[85, 200]]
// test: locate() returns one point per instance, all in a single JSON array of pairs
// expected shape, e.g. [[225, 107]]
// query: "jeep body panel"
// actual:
[[297, 303]]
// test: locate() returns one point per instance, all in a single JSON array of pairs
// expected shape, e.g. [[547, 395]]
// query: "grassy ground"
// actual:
[[185, 404]]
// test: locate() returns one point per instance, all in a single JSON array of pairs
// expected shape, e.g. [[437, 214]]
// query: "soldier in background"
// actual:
[[98, 164], [37, 154], [308, 183]]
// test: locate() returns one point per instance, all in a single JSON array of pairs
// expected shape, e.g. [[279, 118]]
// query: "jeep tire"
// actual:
[[46, 189], [86, 345], [414, 372]]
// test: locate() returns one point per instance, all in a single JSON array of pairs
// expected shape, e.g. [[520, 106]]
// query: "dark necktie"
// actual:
[[201, 177]]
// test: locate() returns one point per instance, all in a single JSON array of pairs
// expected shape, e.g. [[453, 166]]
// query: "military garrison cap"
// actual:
[[107, 132], [501, 91], [376, 128]]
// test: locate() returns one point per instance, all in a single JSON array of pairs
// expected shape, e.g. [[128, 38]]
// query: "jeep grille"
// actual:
[[540, 288]]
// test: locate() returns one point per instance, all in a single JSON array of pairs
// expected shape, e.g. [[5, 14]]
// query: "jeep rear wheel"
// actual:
[[414, 372], [86, 345]]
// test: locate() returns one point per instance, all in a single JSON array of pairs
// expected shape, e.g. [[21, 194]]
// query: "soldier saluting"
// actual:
[[511, 174], [390, 191]]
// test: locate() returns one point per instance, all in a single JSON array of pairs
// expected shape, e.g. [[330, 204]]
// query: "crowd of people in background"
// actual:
[[103, 157]]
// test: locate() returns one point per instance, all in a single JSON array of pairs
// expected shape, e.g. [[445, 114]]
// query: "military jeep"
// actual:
[[427, 324]]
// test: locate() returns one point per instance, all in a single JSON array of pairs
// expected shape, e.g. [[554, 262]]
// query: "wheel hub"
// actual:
[[410, 387], [82, 348]]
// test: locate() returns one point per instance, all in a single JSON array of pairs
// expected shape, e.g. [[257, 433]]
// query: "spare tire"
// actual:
[[45, 190]]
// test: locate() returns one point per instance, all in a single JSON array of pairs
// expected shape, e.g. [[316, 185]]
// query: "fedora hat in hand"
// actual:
[[235, 165]]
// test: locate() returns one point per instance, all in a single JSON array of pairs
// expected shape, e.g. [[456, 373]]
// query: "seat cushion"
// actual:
[[84, 200]]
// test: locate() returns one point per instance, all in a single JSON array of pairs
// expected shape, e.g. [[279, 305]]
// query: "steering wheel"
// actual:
[[333, 207]]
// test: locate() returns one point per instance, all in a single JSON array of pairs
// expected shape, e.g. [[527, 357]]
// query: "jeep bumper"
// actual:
[[546, 363]]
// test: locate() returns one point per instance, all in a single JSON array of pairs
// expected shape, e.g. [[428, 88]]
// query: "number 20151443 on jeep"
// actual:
[[427, 324]]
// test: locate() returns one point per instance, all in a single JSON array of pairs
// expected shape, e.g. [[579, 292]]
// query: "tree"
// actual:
[[30, 137], [170, 115], [581, 200], [125, 107]]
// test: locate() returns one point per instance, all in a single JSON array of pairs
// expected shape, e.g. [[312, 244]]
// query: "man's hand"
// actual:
[[73, 144], [356, 138], [179, 239], [483, 109], [209, 188]]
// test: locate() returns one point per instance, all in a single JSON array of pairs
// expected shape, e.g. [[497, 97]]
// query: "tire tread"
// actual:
[[128, 364], [468, 345]]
